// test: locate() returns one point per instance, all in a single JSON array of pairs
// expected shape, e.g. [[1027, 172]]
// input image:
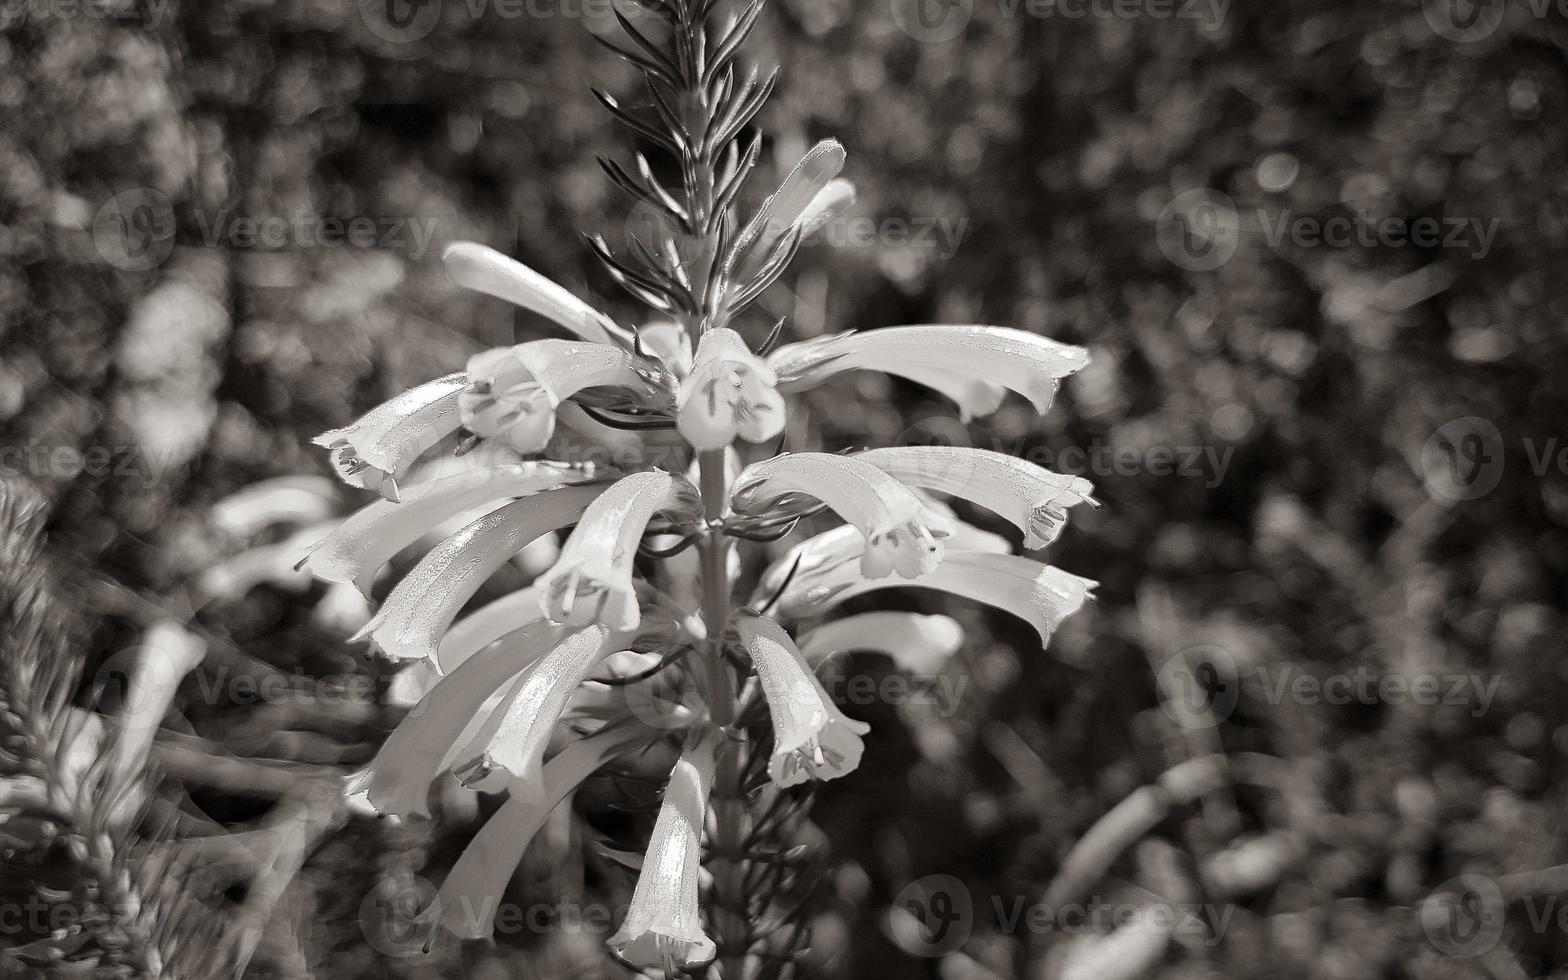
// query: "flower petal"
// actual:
[[397, 781], [376, 450], [487, 624], [515, 737], [1041, 594], [472, 891], [831, 201], [481, 268], [663, 924], [917, 643], [410, 623], [282, 500], [1033, 498], [901, 533], [373, 536], [1016, 359], [812, 739], [596, 562], [729, 393]]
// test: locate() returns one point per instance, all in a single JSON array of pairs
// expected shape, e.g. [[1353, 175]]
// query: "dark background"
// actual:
[[1329, 420]]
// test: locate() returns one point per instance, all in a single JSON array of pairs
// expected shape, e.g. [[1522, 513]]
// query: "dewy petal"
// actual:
[[1016, 359], [373, 536], [1041, 594], [592, 580], [670, 343], [663, 924], [901, 533], [410, 623], [472, 891], [515, 738], [487, 624], [917, 643], [1033, 498], [375, 451], [481, 268], [783, 210], [728, 393], [812, 739], [514, 391], [397, 781]]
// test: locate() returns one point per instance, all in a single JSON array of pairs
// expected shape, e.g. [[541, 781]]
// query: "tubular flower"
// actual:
[[901, 533], [812, 739], [592, 580], [513, 741], [483, 269], [1040, 594], [1033, 498], [469, 897], [377, 450], [1015, 359], [359, 547], [410, 623], [729, 392], [513, 392], [663, 924], [783, 212]]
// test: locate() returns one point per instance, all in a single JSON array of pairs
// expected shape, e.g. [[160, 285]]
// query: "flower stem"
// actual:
[[729, 898]]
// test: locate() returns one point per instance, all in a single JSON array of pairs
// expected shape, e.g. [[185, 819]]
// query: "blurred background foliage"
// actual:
[[1299, 525]]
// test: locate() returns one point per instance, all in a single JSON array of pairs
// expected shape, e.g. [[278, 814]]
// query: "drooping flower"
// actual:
[[513, 392], [486, 625], [376, 450], [410, 623], [397, 781], [508, 749], [483, 269], [592, 580], [1033, 498], [917, 643], [663, 924], [901, 533], [729, 392], [469, 897], [1040, 594], [812, 739], [966, 359], [359, 547]]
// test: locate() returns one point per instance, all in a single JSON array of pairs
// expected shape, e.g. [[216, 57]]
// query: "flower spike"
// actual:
[[812, 739], [663, 925], [730, 392], [513, 392], [1016, 359], [592, 580], [1033, 498], [483, 269], [901, 533], [379, 448]]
